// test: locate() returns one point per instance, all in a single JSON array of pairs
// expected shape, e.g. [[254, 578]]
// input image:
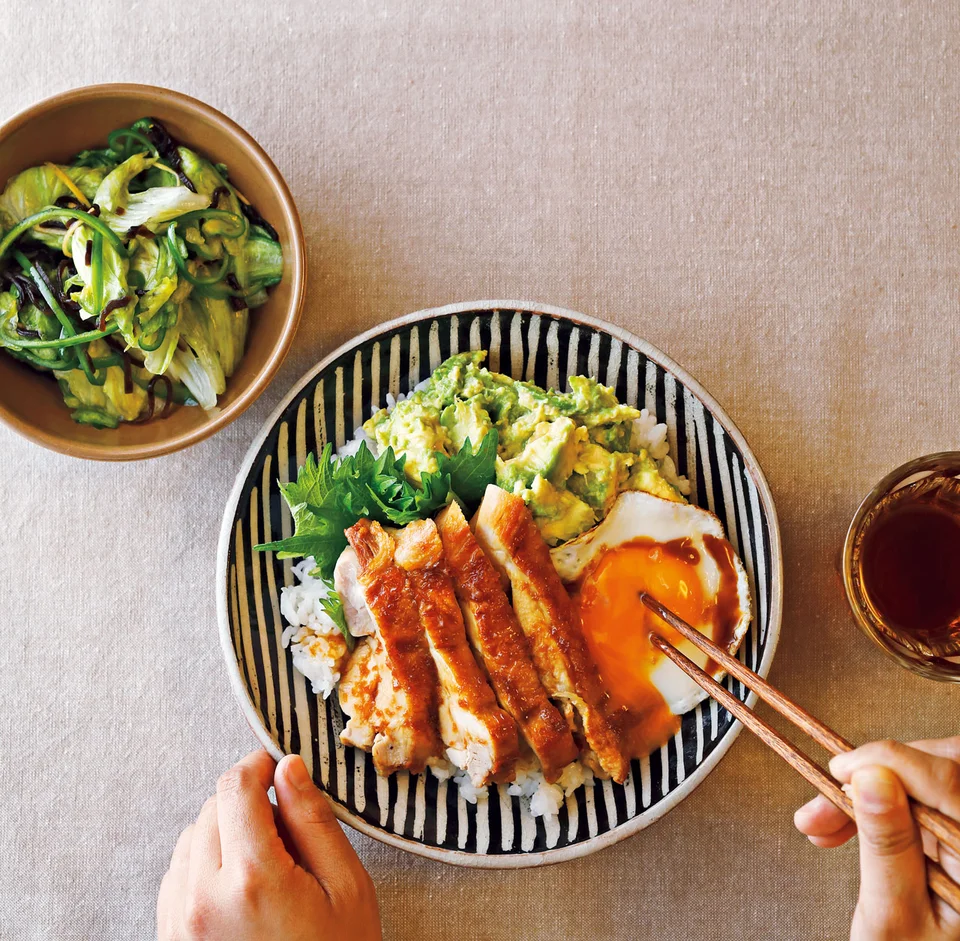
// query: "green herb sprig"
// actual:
[[333, 608], [331, 494]]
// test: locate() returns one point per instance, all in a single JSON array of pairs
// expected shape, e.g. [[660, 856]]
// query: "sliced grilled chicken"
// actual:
[[346, 581], [501, 647], [358, 696], [505, 528], [479, 737], [408, 689]]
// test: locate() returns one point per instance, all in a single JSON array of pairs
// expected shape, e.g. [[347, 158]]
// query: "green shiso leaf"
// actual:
[[330, 494]]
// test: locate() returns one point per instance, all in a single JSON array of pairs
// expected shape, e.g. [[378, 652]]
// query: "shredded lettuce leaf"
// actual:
[[113, 193], [228, 330], [123, 210], [39, 187], [114, 280], [264, 261], [103, 406], [153, 207], [196, 361], [207, 180], [151, 260]]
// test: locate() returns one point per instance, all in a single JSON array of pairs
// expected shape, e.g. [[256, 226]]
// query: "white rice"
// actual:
[[317, 646], [537, 797], [468, 790], [546, 800], [353, 445], [442, 769], [652, 436]]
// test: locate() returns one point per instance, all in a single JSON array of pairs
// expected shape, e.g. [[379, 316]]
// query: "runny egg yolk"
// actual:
[[616, 623]]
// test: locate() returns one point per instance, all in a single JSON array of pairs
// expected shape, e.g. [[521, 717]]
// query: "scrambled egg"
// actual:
[[569, 455]]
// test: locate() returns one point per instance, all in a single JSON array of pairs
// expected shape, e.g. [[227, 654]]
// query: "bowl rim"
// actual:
[[643, 819], [219, 418]]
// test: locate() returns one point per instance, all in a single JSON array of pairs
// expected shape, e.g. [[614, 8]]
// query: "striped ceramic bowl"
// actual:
[[545, 345]]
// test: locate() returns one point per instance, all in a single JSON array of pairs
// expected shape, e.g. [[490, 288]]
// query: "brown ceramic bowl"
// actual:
[[55, 129]]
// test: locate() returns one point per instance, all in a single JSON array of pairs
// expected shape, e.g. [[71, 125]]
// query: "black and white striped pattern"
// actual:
[[543, 345]]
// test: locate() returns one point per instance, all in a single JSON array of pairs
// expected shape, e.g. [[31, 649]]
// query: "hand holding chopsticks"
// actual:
[[942, 827]]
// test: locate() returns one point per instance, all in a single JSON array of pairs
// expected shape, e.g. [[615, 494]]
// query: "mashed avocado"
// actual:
[[415, 430], [558, 513], [568, 454], [550, 452], [599, 475], [465, 421]]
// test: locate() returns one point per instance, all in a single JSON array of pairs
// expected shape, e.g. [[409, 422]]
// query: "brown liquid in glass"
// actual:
[[910, 564]]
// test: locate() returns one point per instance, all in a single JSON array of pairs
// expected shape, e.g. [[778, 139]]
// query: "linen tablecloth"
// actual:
[[765, 190]]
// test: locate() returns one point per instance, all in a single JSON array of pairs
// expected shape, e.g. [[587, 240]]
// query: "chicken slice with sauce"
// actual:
[[346, 583], [479, 737], [501, 647], [406, 700], [358, 695], [504, 527]]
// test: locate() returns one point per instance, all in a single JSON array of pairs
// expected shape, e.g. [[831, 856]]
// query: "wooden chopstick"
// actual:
[[819, 732], [947, 831], [940, 883], [793, 756]]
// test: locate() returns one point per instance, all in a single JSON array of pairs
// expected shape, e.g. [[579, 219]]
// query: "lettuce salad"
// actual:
[[128, 275]]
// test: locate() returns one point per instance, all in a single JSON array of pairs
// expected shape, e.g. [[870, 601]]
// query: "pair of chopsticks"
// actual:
[[941, 826]]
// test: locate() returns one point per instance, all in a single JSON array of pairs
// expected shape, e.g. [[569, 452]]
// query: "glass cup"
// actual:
[[907, 650]]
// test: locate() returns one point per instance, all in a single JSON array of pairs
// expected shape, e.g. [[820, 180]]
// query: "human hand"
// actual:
[[894, 901], [245, 873]]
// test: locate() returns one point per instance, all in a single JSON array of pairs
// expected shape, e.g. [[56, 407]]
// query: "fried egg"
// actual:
[[679, 554]]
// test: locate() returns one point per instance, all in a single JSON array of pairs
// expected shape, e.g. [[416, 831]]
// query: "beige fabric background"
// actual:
[[766, 190]]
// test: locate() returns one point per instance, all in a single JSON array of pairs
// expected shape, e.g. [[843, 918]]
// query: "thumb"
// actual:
[[322, 845], [893, 872]]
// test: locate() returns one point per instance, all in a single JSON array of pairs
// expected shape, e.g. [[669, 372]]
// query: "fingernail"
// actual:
[[875, 790], [297, 773], [801, 813], [837, 764]]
